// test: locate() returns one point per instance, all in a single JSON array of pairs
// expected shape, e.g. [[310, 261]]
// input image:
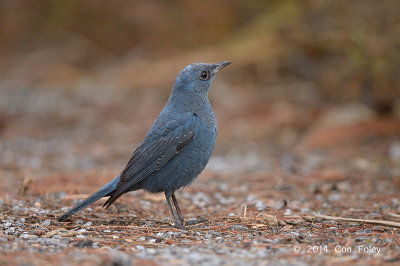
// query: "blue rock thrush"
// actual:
[[176, 148]]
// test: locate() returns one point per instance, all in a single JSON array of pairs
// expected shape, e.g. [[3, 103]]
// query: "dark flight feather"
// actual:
[[148, 159]]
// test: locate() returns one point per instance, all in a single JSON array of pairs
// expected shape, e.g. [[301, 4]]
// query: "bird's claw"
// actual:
[[180, 226]]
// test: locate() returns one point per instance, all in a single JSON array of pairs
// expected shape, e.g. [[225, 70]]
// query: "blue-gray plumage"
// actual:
[[177, 146]]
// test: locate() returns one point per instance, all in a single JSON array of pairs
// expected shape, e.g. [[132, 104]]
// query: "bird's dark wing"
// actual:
[[154, 154]]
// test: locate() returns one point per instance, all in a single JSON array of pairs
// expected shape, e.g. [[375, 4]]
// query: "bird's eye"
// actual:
[[204, 75]]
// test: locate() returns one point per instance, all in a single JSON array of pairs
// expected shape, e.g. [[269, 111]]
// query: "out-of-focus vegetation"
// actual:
[[342, 50], [308, 122]]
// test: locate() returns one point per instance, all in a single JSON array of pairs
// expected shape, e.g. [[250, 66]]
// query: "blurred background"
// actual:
[[82, 81], [308, 122]]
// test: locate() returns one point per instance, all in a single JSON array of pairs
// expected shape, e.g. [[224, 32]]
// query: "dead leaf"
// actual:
[[269, 220], [287, 228], [50, 234]]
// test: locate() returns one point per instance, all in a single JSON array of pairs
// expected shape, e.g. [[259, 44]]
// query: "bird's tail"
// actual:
[[104, 191]]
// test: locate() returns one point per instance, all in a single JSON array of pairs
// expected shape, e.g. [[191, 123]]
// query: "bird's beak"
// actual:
[[220, 66]]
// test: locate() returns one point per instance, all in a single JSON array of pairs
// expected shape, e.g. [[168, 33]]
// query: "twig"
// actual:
[[378, 222], [393, 214]]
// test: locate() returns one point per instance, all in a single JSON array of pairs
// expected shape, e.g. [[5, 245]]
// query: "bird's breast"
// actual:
[[204, 140], [188, 163]]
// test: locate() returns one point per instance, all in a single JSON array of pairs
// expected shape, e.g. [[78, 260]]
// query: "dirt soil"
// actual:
[[278, 166]]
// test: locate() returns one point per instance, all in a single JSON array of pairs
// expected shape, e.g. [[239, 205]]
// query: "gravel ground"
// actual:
[[273, 172]]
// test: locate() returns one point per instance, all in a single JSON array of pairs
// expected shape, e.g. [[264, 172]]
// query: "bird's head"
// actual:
[[197, 77]]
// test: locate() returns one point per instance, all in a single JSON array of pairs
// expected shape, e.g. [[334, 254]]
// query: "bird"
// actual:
[[176, 148]]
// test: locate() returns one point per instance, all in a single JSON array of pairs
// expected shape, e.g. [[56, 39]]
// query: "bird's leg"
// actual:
[[177, 208], [172, 207]]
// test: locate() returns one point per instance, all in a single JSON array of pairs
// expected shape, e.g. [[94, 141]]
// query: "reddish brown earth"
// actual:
[[276, 166]]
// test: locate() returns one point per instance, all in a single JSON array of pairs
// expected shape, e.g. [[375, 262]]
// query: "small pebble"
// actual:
[[88, 224], [287, 212], [46, 222], [27, 236]]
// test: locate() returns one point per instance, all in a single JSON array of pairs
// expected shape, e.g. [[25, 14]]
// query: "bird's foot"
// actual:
[[180, 226]]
